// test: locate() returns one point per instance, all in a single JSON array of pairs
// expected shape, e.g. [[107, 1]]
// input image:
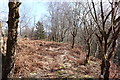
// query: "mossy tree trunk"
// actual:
[[13, 19]]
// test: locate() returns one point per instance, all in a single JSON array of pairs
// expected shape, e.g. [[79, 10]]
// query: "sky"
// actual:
[[32, 9]]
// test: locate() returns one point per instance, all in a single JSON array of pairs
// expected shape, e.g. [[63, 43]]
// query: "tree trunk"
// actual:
[[105, 69], [88, 53], [73, 41], [107, 72], [0, 36], [61, 39], [20, 31], [102, 67], [13, 20]]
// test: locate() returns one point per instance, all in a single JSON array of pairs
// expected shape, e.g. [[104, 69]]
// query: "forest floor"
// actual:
[[44, 59]]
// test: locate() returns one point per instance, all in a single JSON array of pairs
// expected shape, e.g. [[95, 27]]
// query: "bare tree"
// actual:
[[74, 21], [107, 34], [59, 23], [87, 35], [86, 30], [24, 19]]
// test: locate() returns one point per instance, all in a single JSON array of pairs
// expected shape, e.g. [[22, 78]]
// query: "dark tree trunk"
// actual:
[[105, 66], [13, 20], [61, 40], [88, 53], [107, 72], [73, 41], [102, 67]]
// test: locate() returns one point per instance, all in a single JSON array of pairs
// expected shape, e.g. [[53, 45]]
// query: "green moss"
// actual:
[[61, 67], [86, 76]]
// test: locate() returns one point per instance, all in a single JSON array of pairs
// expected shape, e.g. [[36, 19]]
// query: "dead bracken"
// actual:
[[55, 60]]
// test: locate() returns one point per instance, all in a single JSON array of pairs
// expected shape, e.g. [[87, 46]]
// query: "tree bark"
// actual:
[[73, 41], [107, 72], [13, 19], [88, 53], [102, 67]]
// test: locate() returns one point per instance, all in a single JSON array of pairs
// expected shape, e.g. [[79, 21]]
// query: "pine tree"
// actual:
[[40, 33]]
